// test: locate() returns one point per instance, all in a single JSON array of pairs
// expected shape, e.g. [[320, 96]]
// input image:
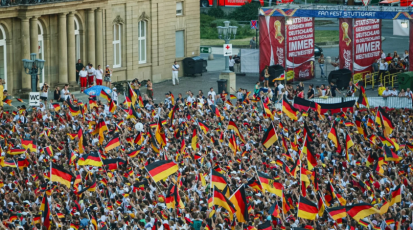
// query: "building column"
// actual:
[[91, 37], [34, 35], [25, 49], [62, 49], [99, 39], [71, 49]]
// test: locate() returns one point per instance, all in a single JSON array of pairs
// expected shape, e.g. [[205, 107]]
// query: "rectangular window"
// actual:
[[142, 42], [117, 46], [179, 8], [179, 44]]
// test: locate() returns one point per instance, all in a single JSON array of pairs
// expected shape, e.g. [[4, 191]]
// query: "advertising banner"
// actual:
[[411, 45], [367, 43], [265, 44], [378, 13], [346, 43], [277, 34], [300, 49]]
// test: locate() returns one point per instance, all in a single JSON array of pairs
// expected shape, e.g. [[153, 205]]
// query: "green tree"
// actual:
[[246, 12]]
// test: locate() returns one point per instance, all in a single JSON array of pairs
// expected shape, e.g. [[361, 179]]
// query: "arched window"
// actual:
[[117, 45], [40, 48], [77, 40], [3, 56], [142, 41]]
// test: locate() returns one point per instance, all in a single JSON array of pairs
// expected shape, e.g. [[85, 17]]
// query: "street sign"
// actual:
[[34, 99], [227, 49], [254, 24], [205, 50]]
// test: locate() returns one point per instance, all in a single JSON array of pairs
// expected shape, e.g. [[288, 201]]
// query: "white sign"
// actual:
[[34, 99], [227, 49]]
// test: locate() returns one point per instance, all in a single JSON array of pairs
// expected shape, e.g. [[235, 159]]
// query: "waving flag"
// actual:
[[61, 175], [161, 169], [307, 209]]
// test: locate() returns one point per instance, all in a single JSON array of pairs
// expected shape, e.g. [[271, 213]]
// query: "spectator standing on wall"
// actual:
[[231, 63], [253, 43], [237, 65]]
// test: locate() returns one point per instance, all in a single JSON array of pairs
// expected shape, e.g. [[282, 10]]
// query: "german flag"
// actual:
[[396, 195], [269, 184], [76, 226], [349, 144], [48, 150], [233, 143], [267, 111], [239, 200], [16, 151], [233, 126], [60, 215], [74, 110], [72, 136], [103, 94], [112, 106], [362, 100], [133, 95], [389, 155], [173, 198], [133, 153], [160, 133], [265, 226], [270, 136], [304, 105], [203, 127], [218, 180], [320, 205], [285, 206], [37, 219], [46, 213], [216, 111], [317, 108], [115, 142], [194, 140], [337, 212], [255, 184], [361, 210], [161, 169], [386, 121], [389, 142], [361, 128], [232, 96], [311, 157], [341, 199], [363, 223], [61, 175], [221, 201], [378, 166], [13, 217], [289, 110], [139, 139], [389, 221], [92, 187], [127, 102], [22, 163], [56, 107], [305, 182], [7, 100], [307, 209], [113, 164], [330, 194], [307, 133], [90, 159], [333, 136]]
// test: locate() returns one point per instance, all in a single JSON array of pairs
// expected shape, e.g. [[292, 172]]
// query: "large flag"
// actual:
[[113, 164], [270, 136], [194, 140], [303, 104], [396, 195], [349, 144], [233, 126], [203, 127], [161, 169], [172, 198], [218, 180], [239, 200], [285, 206], [28, 144], [265, 226], [305, 182], [255, 184], [385, 119], [132, 95], [330, 194], [333, 136], [307, 133], [92, 159], [115, 142], [307, 209], [289, 110], [389, 155], [105, 95], [160, 133], [320, 205], [338, 212], [222, 201], [233, 143], [61, 175], [269, 184], [361, 210], [361, 128], [74, 110], [112, 106]]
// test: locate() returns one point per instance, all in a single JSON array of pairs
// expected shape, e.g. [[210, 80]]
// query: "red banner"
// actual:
[[410, 45], [367, 43], [277, 34], [346, 43], [300, 49], [265, 44]]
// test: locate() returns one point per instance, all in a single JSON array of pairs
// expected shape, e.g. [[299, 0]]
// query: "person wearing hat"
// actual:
[[115, 95], [108, 74]]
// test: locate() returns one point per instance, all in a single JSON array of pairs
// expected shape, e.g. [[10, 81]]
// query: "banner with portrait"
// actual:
[[300, 48], [277, 34], [346, 43]]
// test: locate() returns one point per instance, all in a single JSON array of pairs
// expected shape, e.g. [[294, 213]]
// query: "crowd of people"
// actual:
[[111, 188]]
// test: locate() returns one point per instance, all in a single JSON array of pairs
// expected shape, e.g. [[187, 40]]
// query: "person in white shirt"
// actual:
[[175, 69], [91, 73], [99, 74], [212, 92], [65, 93], [115, 95], [387, 93], [231, 64], [83, 79], [383, 67]]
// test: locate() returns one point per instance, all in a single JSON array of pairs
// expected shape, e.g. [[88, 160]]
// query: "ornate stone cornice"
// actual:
[[144, 17], [118, 20]]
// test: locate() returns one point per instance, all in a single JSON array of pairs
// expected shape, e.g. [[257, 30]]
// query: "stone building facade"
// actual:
[[136, 38]]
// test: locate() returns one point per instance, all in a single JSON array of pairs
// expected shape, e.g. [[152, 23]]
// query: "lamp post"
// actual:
[[225, 33], [33, 67]]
